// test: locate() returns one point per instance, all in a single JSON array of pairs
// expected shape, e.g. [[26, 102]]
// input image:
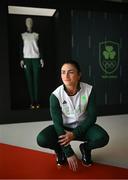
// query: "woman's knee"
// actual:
[[41, 139], [106, 138], [102, 137], [98, 137], [47, 137]]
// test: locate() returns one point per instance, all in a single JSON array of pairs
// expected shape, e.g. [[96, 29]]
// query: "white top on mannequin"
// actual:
[[30, 43]]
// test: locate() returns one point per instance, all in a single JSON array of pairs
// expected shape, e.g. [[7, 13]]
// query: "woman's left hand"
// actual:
[[72, 162], [66, 138]]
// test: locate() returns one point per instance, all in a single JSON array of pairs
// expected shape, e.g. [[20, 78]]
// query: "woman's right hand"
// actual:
[[72, 162]]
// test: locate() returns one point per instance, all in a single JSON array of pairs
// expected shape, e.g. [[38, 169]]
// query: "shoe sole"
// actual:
[[86, 165], [59, 165]]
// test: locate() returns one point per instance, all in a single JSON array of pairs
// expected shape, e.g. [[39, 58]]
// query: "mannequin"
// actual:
[[31, 62]]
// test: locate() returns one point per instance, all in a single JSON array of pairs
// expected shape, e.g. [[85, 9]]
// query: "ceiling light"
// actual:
[[30, 11]]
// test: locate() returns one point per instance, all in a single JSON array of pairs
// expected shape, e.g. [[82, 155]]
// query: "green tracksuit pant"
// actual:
[[32, 73], [96, 137]]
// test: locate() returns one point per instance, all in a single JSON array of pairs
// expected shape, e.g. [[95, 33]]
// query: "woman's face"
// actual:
[[70, 75]]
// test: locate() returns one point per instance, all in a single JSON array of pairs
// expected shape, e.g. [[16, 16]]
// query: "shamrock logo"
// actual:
[[83, 98], [109, 56], [109, 53]]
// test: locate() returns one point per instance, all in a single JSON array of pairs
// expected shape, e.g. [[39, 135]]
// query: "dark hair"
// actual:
[[74, 63]]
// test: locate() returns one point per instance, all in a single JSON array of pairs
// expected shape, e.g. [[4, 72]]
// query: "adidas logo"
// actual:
[[64, 102]]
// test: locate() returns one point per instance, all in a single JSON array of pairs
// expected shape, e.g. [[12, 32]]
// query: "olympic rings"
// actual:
[[109, 65]]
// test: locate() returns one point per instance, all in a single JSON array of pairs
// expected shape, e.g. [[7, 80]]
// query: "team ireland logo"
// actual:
[[109, 56]]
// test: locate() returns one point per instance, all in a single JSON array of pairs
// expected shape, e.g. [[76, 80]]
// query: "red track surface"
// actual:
[[22, 163]]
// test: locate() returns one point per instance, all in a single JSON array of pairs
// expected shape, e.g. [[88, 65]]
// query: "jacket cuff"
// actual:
[[68, 151]]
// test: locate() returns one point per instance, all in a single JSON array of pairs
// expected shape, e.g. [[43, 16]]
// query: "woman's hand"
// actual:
[[66, 138], [72, 162]]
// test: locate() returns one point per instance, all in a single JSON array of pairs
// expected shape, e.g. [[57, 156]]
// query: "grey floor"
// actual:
[[115, 153]]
